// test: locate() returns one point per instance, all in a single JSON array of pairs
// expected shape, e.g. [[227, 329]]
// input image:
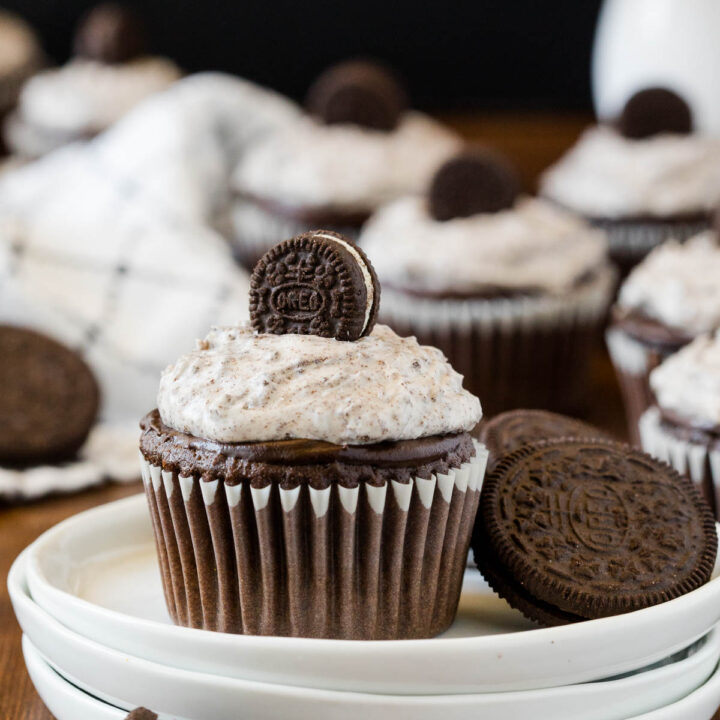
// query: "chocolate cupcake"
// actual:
[[108, 75], [511, 288], [644, 179], [357, 148], [670, 298], [304, 485], [683, 428], [20, 57]]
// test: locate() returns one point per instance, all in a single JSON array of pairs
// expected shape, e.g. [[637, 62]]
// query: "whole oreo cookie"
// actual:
[[472, 182], [514, 429], [49, 398], [318, 283], [110, 33], [654, 111], [142, 713], [360, 92], [577, 529]]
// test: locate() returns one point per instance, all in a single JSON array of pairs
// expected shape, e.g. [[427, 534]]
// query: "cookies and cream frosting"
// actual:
[[532, 246], [688, 382], [677, 284], [606, 175], [239, 386], [86, 96], [347, 167], [18, 46]]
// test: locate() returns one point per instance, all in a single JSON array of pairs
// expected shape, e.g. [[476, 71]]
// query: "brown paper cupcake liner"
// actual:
[[633, 362], [700, 462], [364, 562], [631, 240], [513, 352], [254, 230]]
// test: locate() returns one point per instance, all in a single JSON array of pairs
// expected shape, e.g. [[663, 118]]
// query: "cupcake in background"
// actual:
[[358, 147], [645, 179], [20, 57], [109, 74], [511, 288], [667, 300], [312, 474], [683, 428]]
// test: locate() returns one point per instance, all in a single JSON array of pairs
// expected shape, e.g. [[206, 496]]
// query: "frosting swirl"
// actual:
[[688, 382], [677, 284], [238, 386], [88, 96], [533, 246], [608, 176], [18, 46], [344, 166]]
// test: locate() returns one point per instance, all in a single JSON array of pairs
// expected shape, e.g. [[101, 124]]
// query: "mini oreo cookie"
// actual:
[[514, 429], [654, 111], [472, 182], [110, 33], [49, 399], [318, 283], [142, 713], [360, 92], [575, 529]]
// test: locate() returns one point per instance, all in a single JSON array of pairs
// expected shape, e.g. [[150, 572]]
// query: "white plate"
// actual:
[[97, 573], [67, 702], [111, 674]]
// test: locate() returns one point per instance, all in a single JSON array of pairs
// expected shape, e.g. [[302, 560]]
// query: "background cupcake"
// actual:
[[109, 74], [20, 57], [318, 485], [670, 298], [358, 147], [684, 427], [511, 288], [645, 179]]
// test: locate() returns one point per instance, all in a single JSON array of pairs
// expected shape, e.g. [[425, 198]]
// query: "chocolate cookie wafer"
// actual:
[[654, 111], [142, 713], [110, 33], [575, 529]]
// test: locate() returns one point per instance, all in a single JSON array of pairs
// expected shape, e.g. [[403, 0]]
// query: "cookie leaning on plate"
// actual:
[[575, 529]]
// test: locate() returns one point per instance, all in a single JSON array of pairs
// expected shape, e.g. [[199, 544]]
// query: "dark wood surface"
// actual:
[[533, 142]]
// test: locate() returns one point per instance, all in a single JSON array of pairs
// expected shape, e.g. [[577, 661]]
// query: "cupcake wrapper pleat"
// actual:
[[700, 463], [254, 230], [512, 352], [633, 362], [369, 562]]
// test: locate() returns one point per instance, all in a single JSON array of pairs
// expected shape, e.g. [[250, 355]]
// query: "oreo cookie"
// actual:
[[318, 283], [514, 429], [360, 92], [474, 181], [654, 111], [575, 529], [142, 713], [110, 33], [49, 399]]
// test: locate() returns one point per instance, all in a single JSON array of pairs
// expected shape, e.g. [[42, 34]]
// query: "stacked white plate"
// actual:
[[98, 642]]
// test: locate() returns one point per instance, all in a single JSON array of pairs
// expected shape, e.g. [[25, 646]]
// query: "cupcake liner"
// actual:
[[364, 562], [513, 352], [701, 463], [631, 240], [633, 362], [254, 230]]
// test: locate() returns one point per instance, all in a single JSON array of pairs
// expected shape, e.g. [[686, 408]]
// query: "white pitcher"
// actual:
[[673, 43]]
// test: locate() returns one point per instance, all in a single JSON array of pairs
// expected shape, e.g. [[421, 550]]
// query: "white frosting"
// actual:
[[239, 386], [88, 96], [688, 382], [345, 166], [679, 285], [533, 245], [609, 176], [17, 44]]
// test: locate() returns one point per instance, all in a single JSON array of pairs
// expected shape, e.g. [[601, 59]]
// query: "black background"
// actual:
[[507, 53]]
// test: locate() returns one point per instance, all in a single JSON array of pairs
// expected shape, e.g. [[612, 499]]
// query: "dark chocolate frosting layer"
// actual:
[[293, 462]]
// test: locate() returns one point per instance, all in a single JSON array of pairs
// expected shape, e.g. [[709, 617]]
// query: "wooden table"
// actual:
[[532, 142]]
